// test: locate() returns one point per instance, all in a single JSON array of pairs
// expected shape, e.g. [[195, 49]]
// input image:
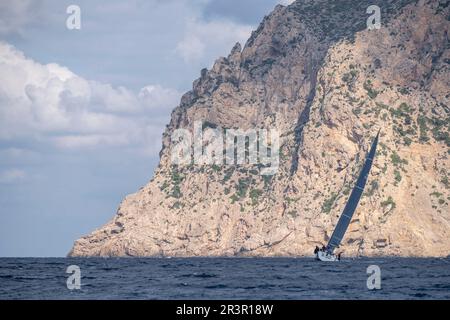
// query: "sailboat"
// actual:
[[327, 253]]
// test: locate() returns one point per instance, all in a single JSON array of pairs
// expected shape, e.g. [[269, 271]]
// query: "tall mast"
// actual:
[[353, 200]]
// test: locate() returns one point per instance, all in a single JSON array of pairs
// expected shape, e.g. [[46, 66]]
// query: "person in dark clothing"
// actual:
[[316, 250], [324, 249], [339, 256]]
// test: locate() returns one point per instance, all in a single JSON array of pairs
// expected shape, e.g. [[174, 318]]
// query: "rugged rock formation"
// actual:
[[315, 72]]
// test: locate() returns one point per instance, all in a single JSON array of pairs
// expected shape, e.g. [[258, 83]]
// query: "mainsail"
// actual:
[[353, 200]]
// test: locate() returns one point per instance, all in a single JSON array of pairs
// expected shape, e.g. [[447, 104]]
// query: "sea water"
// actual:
[[223, 278]]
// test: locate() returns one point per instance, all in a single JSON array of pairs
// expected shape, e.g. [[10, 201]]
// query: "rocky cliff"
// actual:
[[316, 73]]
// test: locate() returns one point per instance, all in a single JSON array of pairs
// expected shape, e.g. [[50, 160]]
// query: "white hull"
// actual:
[[325, 256]]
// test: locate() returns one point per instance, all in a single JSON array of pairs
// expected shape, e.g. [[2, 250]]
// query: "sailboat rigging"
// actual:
[[326, 253]]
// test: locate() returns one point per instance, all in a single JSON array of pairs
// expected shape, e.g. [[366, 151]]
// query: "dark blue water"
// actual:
[[223, 278]]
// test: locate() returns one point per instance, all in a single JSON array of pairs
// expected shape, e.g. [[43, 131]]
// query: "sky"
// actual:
[[82, 111]]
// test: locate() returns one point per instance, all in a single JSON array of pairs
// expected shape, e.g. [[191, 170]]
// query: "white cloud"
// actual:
[[201, 35], [155, 97], [51, 104]]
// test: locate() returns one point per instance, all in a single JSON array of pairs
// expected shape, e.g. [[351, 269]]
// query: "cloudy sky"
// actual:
[[82, 111]]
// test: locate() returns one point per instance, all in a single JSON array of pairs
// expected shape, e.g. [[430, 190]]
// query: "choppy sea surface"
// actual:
[[223, 278]]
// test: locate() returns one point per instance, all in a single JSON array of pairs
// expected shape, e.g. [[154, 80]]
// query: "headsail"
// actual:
[[353, 200]]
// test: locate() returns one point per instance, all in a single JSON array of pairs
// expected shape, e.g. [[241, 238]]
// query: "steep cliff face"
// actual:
[[313, 71]]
